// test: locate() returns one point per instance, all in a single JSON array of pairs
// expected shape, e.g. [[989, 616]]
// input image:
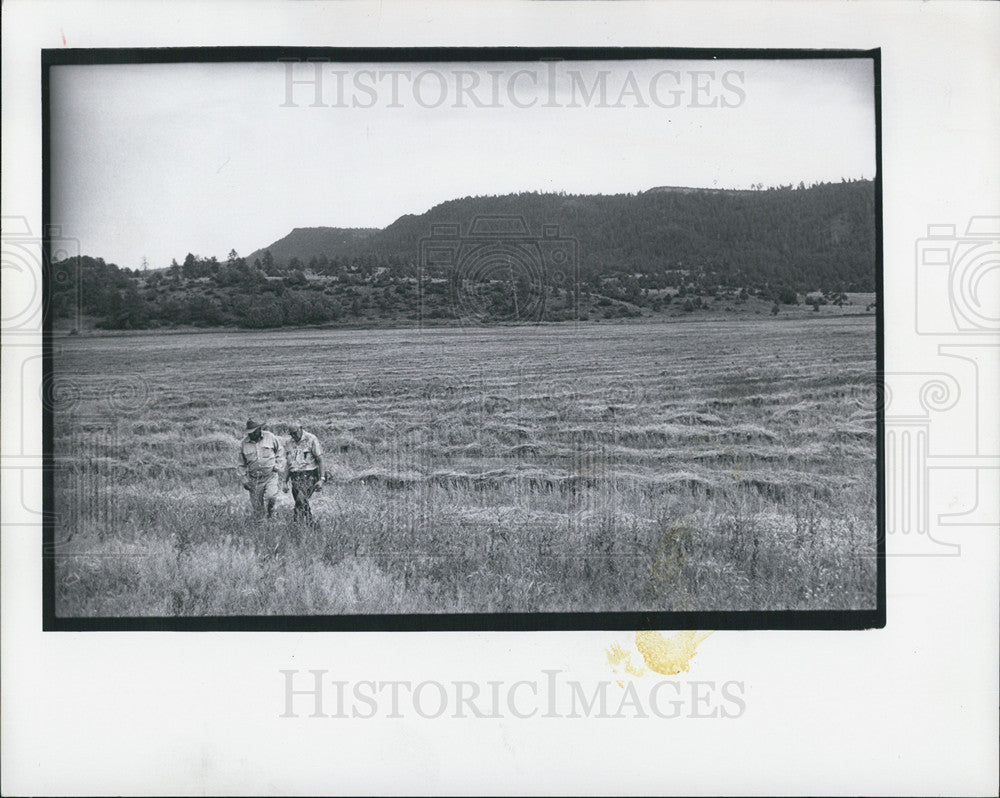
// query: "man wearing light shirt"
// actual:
[[305, 468], [261, 463]]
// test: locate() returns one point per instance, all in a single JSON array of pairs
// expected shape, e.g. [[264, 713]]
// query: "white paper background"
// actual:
[[908, 709]]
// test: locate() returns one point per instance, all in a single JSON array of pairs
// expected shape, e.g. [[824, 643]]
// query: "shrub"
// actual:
[[786, 296]]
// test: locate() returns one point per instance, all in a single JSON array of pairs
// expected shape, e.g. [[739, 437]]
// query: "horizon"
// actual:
[[235, 155]]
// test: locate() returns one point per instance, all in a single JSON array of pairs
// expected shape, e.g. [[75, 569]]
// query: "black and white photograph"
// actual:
[[472, 334], [466, 398]]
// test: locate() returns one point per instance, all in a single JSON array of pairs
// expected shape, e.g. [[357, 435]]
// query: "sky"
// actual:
[[155, 161]]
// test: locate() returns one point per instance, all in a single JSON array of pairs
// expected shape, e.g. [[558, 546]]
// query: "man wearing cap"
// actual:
[[305, 468], [262, 464]]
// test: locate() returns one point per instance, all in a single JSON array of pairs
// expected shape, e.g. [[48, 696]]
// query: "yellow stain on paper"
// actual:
[[665, 655], [616, 654], [634, 670], [669, 655], [619, 660]]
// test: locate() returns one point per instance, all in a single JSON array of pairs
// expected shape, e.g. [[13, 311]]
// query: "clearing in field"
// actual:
[[685, 465]]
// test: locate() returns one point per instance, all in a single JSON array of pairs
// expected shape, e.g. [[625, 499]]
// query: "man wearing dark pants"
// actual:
[[305, 468]]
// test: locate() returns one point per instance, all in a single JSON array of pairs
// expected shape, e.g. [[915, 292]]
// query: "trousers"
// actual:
[[263, 493], [303, 486]]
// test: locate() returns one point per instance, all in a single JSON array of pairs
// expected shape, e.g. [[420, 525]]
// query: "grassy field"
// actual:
[[690, 464]]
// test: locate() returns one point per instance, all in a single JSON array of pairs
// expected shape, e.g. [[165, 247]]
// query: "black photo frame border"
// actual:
[[450, 622]]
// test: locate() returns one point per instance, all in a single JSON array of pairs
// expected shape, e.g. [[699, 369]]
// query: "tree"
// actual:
[[190, 268], [268, 264], [253, 281]]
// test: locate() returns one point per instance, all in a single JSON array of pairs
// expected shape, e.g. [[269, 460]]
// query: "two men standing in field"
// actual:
[[263, 463]]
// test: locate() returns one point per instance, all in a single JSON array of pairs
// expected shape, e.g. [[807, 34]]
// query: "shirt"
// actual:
[[304, 454], [263, 457]]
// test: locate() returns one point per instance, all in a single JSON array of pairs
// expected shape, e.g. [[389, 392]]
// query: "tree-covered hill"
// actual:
[[801, 237], [308, 241], [637, 254]]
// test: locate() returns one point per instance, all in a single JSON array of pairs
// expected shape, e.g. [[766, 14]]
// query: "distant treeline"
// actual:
[[635, 251]]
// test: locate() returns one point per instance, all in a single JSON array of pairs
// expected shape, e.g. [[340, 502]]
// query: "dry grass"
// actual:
[[684, 465]]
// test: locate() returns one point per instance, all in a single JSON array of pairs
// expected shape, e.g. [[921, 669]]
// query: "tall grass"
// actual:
[[596, 468]]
